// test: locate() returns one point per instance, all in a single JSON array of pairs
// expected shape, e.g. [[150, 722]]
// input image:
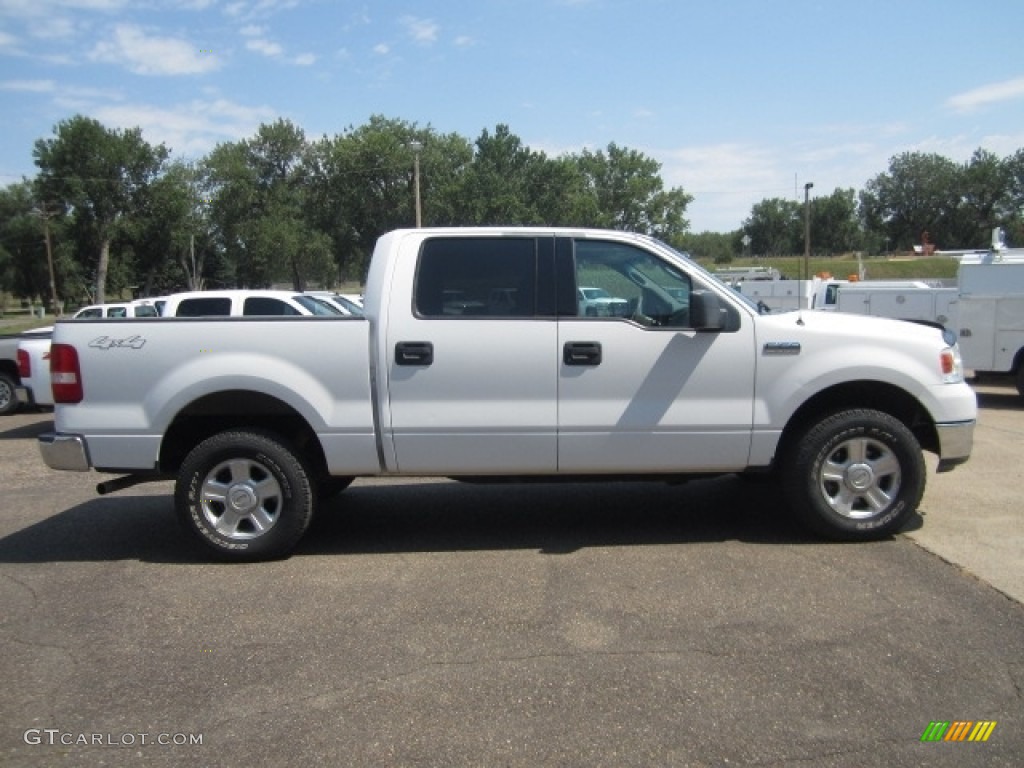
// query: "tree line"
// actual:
[[108, 213]]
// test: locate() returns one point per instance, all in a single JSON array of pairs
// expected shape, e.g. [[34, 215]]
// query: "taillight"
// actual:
[[24, 364], [65, 375]]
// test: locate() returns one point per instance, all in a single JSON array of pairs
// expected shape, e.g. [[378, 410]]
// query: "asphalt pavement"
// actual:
[[429, 623]]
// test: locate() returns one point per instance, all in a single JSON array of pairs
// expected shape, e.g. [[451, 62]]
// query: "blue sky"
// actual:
[[739, 100]]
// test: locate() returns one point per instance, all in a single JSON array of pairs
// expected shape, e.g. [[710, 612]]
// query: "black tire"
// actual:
[[245, 494], [857, 475], [8, 394], [1020, 380]]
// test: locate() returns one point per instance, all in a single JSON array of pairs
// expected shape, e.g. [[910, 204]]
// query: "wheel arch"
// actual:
[[10, 367], [875, 395], [238, 409]]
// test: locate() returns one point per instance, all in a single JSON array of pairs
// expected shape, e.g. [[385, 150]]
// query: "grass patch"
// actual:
[[20, 323], [877, 268]]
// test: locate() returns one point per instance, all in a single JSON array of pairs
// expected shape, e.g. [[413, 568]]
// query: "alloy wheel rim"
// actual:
[[860, 478], [241, 499]]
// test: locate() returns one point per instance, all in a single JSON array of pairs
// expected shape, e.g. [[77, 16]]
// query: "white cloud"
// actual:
[[259, 8], [993, 93], [151, 55], [8, 43], [423, 31], [53, 28], [464, 41], [382, 49], [253, 30], [305, 60], [93, 5], [83, 98], [28, 86], [191, 129], [725, 180], [265, 47]]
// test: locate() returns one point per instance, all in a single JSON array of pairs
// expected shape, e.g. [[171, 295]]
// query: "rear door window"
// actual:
[[477, 277]]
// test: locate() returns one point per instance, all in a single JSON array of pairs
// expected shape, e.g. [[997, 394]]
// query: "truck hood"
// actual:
[[807, 324]]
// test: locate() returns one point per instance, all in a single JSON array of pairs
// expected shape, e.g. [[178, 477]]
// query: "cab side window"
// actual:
[[492, 277], [616, 280], [204, 307]]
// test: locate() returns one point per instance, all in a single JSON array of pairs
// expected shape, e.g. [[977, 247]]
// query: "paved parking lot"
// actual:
[[429, 623]]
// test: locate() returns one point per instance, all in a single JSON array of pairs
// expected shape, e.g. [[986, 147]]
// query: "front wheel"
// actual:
[[857, 475], [245, 494]]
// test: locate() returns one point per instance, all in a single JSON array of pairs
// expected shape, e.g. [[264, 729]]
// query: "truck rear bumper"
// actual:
[[64, 452], [955, 442]]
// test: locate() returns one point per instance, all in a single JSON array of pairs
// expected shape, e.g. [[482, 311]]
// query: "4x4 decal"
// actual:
[[105, 342]]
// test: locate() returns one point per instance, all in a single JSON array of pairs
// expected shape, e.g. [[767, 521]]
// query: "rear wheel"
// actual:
[[857, 475], [1020, 380], [245, 494], [8, 394]]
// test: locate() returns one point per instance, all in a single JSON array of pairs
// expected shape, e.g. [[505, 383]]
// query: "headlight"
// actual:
[[951, 365]]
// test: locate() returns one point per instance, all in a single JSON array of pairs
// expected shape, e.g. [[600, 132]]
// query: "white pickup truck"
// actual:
[[258, 419]]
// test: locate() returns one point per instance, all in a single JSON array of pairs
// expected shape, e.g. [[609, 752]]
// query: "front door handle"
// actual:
[[414, 353], [582, 353]]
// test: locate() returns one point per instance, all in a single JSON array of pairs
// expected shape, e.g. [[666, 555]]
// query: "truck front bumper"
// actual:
[[64, 452], [955, 442]]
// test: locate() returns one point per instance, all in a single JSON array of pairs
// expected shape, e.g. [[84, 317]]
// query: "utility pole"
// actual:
[[416, 147], [44, 214], [807, 229]]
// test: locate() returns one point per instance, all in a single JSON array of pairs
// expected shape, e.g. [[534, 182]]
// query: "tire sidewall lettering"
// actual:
[[275, 456], [805, 466]]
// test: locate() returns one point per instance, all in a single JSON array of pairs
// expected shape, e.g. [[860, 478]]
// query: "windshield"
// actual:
[[316, 306], [351, 306]]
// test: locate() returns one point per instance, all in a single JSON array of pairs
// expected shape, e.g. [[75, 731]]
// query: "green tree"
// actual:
[[986, 199], [920, 193], [99, 176], [24, 222], [172, 233], [497, 185], [629, 194], [717, 247], [775, 227], [835, 225], [362, 184], [260, 201]]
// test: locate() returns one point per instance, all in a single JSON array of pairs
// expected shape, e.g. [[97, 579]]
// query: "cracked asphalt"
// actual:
[[428, 623]]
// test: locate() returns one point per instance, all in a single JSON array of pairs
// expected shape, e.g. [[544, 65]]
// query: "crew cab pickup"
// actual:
[[259, 419]]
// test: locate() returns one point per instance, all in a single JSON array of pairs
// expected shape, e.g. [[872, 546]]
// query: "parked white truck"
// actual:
[[257, 419], [13, 387], [985, 309]]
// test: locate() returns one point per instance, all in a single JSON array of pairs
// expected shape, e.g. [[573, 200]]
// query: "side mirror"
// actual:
[[706, 311]]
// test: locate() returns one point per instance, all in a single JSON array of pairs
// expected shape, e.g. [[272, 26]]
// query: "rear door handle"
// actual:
[[414, 353], [582, 353]]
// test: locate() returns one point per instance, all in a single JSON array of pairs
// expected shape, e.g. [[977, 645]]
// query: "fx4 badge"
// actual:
[[105, 342]]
